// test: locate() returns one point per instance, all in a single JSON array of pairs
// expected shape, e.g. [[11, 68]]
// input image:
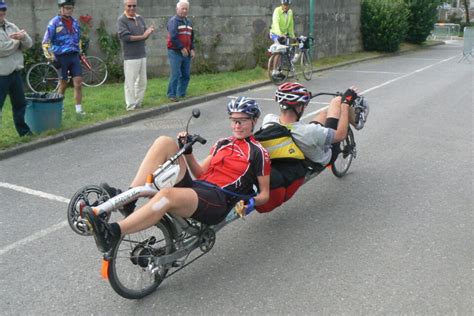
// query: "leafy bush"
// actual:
[[261, 42], [110, 46], [34, 54], [422, 17], [383, 24]]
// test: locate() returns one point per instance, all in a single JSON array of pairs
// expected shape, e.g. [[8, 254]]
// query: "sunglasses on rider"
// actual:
[[240, 121], [132, 5]]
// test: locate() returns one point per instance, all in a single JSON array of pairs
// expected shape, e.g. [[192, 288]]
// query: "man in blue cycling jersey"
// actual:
[[61, 42]]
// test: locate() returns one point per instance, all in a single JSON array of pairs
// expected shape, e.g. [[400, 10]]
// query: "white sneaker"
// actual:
[[131, 107]]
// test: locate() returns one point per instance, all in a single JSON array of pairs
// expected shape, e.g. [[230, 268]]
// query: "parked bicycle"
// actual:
[[290, 60], [45, 76], [140, 262]]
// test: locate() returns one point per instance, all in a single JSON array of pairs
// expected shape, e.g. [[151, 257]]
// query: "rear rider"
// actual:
[[61, 42]]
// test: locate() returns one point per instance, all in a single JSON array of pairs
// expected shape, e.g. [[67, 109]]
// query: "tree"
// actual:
[[422, 17], [466, 10]]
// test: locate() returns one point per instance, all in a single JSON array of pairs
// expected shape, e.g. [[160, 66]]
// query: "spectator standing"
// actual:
[[180, 51], [12, 42], [61, 42], [133, 33]]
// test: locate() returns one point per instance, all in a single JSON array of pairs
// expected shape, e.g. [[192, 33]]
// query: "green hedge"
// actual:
[[422, 17], [384, 24]]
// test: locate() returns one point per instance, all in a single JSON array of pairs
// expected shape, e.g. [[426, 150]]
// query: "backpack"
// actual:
[[279, 142]]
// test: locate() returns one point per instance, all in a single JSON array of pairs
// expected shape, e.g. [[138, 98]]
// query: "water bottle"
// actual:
[[295, 59]]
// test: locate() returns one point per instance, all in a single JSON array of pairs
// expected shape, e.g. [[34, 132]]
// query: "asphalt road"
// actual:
[[392, 237]]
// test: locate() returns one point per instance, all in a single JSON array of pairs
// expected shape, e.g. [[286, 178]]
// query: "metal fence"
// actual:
[[468, 47], [445, 31]]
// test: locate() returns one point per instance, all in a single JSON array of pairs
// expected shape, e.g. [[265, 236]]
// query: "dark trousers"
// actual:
[[13, 85]]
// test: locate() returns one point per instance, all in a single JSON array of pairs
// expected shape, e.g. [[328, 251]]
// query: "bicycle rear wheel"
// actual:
[[94, 71], [347, 152], [42, 77], [132, 273], [307, 65], [282, 67]]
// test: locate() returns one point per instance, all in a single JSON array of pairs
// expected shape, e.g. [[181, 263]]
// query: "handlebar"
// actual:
[[325, 93]]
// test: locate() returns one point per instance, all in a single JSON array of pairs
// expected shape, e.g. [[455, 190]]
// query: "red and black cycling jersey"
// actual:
[[236, 164]]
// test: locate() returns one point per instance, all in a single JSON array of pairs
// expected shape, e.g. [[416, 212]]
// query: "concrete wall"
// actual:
[[228, 30]]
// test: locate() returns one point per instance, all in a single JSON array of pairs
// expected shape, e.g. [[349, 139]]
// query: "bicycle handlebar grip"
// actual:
[[201, 140]]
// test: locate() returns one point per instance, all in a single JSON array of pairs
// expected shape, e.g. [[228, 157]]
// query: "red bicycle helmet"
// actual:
[[291, 94]]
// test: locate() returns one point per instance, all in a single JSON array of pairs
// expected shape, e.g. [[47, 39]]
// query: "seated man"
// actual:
[[235, 164], [317, 139]]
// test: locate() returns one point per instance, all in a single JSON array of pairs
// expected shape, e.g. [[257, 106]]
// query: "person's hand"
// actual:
[[243, 207], [193, 53], [149, 30], [349, 96], [18, 35], [184, 138], [185, 52]]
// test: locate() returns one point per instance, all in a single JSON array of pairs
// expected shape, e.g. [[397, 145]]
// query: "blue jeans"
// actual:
[[180, 73], [13, 85]]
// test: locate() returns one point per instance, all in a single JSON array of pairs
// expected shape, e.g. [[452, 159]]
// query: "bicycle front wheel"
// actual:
[[278, 62], [94, 71], [132, 272], [42, 77], [347, 152], [306, 65]]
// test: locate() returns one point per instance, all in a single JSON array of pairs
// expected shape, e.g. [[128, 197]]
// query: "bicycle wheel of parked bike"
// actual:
[[42, 77], [94, 71], [306, 65], [347, 153], [132, 272], [282, 67]]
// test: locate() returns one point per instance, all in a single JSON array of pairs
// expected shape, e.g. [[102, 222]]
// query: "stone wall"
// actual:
[[227, 31]]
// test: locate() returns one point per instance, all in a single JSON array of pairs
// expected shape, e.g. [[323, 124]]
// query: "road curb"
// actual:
[[148, 113]]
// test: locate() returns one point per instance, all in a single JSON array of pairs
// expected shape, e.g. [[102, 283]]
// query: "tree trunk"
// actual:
[[466, 8]]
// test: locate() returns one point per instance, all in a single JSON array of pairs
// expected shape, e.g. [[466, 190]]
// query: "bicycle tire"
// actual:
[[344, 159], [128, 273], [282, 67], [306, 65], [42, 77], [96, 74], [91, 195]]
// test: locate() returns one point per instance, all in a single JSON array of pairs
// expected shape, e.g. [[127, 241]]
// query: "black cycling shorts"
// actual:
[[213, 204], [332, 123]]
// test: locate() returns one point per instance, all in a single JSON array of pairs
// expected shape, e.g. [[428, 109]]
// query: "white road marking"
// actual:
[[33, 237], [42, 232], [34, 192], [389, 82], [371, 72]]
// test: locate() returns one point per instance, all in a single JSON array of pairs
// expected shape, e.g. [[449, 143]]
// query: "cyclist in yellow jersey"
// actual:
[[283, 28]]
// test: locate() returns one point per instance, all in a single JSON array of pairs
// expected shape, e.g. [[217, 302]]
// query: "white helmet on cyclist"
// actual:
[[289, 95], [285, 1], [66, 2], [244, 105]]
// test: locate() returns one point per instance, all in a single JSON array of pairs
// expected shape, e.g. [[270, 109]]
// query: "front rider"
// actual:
[[235, 164], [61, 42], [283, 26]]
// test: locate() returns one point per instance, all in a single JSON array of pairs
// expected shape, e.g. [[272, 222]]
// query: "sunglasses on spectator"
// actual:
[[132, 5]]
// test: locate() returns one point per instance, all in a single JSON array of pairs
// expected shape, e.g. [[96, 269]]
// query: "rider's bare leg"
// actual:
[[338, 111], [182, 202], [77, 82], [162, 148], [62, 86]]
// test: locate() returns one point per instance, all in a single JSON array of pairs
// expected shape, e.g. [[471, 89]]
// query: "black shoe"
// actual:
[[104, 238], [111, 191]]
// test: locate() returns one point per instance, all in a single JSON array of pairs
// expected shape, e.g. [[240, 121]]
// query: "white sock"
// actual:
[[78, 108]]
